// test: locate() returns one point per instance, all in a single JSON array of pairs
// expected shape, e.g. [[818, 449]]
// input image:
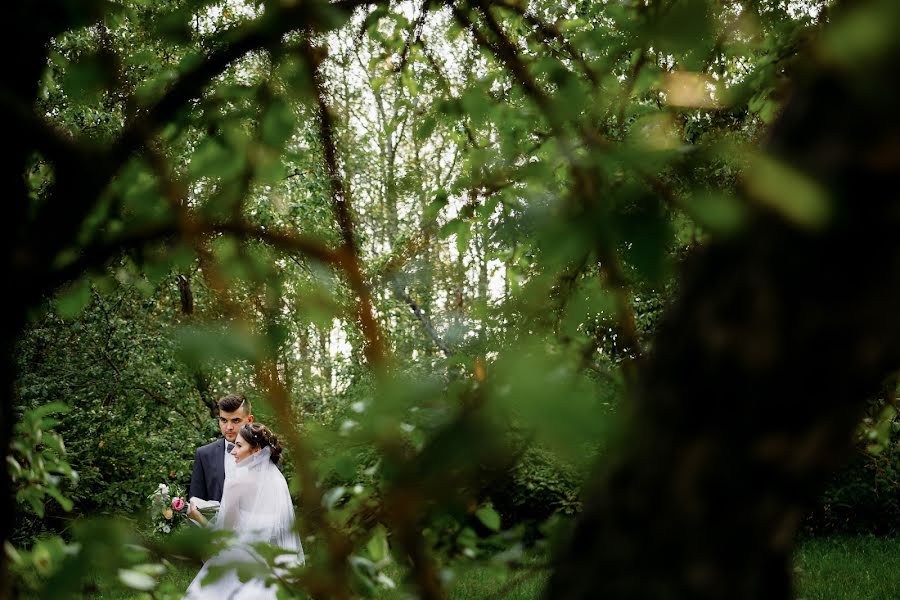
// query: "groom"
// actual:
[[213, 462]]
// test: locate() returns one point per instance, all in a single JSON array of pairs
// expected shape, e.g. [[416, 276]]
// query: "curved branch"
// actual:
[[503, 49], [551, 33], [238, 42], [96, 255], [340, 204]]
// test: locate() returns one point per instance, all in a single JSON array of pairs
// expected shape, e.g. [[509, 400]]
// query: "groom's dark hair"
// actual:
[[232, 402]]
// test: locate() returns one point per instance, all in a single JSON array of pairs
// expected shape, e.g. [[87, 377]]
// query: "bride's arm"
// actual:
[[196, 515]]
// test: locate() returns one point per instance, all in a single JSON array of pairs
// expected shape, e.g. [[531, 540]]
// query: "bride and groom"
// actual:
[[241, 472]]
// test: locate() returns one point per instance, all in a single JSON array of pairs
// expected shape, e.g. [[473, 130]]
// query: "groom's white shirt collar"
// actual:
[[228, 459]]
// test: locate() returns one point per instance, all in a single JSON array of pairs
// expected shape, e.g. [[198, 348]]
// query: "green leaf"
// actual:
[[545, 393], [36, 505], [409, 82], [74, 300], [150, 89], [656, 131], [475, 102], [213, 159], [51, 409], [489, 517], [648, 78], [64, 502], [327, 17], [137, 580], [206, 345], [861, 33], [14, 466], [175, 26], [88, 77], [717, 211], [435, 207], [154, 569], [684, 29], [787, 191], [55, 442], [378, 545], [362, 573], [452, 227], [269, 166], [425, 127], [277, 124], [463, 236]]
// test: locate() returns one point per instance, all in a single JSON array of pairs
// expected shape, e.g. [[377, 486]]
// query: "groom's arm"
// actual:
[[198, 479]]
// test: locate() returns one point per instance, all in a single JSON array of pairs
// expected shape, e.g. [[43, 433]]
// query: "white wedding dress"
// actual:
[[256, 505]]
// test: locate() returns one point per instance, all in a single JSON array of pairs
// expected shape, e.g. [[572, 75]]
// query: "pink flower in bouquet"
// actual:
[[178, 504]]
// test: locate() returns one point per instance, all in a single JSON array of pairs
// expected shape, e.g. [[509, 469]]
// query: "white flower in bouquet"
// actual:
[[165, 504]]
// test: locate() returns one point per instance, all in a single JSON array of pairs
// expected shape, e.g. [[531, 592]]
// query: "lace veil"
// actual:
[[257, 505]]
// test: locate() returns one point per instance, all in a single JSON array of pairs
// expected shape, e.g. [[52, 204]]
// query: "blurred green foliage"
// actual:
[[519, 215]]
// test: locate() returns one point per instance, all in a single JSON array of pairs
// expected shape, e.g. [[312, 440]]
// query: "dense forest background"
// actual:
[[615, 278]]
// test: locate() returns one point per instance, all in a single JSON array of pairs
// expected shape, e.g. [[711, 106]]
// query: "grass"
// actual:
[[832, 568], [466, 583], [172, 584], [852, 568], [496, 584]]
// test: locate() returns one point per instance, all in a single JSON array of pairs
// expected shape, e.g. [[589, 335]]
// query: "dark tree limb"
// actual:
[[82, 173], [96, 255], [760, 370], [186, 295]]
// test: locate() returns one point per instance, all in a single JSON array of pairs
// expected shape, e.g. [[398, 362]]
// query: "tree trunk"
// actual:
[[759, 373], [325, 357], [186, 294], [20, 83]]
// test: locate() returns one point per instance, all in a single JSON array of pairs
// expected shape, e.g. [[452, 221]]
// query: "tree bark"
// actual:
[[760, 371], [20, 83], [186, 294]]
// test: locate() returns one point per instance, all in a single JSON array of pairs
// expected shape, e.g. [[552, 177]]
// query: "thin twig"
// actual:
[[424, 320]]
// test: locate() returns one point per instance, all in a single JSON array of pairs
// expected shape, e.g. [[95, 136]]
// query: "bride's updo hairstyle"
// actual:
[[260, 436]]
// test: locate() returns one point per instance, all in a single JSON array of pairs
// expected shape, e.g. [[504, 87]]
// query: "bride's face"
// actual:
[[242, 449]]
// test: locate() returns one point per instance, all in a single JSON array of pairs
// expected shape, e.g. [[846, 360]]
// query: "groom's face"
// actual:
[[231, 422]]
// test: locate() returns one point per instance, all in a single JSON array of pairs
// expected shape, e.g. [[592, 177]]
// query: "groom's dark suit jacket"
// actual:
[[208, 477]]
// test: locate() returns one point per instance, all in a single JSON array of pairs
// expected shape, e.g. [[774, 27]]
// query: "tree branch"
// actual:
[[96, 255], [423, 319], [340, 204], [551, 33]]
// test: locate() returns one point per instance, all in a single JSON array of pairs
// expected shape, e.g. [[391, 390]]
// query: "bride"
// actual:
[[257, 506]]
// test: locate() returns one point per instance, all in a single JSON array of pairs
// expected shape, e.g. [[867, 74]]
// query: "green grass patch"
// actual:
[[495, 582], [172, 585], [848, 568], [832, 568]]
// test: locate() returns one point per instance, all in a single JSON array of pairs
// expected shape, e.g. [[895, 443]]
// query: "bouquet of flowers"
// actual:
[[167, 507]]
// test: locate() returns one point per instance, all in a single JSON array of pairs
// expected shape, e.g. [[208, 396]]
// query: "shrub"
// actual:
[[863, 497], [540, 485]]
